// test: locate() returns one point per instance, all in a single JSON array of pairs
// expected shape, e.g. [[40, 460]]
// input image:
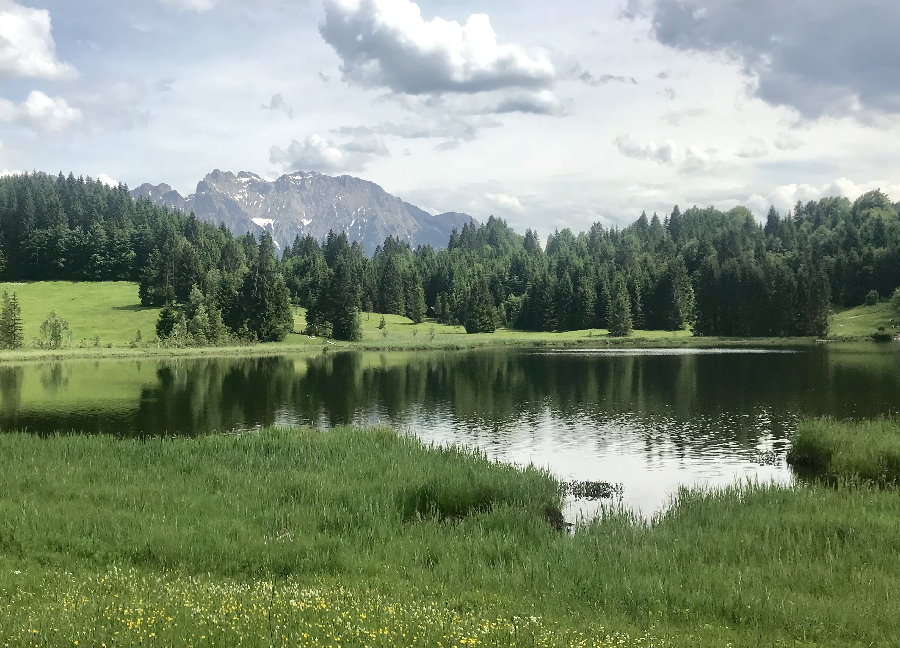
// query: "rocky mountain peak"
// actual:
[[307, 202]]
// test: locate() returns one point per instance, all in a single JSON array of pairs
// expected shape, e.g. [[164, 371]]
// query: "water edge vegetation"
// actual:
[[860, 450]]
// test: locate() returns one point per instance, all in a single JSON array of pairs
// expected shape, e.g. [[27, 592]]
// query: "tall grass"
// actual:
[[247, 536], [867, 450]]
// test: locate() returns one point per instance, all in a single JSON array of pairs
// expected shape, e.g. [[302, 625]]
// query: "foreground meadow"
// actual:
[[366, 538]]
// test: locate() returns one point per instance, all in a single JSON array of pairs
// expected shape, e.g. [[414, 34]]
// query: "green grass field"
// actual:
[[112, 313], [365, 538], [862, 321], [110, 310], [868, 450]]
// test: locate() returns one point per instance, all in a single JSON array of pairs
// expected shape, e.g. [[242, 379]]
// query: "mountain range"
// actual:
[[307, 202]]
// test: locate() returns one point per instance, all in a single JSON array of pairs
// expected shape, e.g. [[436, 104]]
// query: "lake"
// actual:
[[650, 420]]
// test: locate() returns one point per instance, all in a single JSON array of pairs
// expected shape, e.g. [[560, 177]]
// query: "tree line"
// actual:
[[721, 272]]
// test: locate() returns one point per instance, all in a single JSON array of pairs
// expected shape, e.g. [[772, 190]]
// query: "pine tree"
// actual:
[[563, 303], [814, 297], [165, 324], [391, 291], [317, 323], [674, 297], [342, 297], [198, 325], [11, 323], [415, 299], [265, 299], [480, 315], [585, 298], [619, 310]]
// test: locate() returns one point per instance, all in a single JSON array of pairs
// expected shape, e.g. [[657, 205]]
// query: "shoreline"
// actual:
[[481, 343]]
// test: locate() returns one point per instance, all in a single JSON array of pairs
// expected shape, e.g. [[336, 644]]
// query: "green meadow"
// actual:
[[108, 310], [104, 319], [365, 538], [862, 321]]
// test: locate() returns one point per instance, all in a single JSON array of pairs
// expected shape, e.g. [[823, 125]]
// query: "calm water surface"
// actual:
[[649, 420]]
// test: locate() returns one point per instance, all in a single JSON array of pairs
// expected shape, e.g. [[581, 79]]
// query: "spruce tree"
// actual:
[[165, 324], [480, 315], [814, 297], [415, 299], [619, 310], [265, 299], [11, 323], [342, 298]]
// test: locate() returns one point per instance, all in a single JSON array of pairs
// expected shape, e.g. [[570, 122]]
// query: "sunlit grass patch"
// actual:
[[126, 608]]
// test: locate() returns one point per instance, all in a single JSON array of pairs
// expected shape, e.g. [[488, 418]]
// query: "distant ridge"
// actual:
[[307, 202]]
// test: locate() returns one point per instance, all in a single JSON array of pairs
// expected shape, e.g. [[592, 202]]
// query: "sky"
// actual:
[[548, 115]]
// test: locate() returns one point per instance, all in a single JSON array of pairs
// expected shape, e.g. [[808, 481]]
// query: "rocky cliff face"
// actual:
[[308, 203]]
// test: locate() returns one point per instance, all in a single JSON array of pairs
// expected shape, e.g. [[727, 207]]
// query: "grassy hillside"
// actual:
[[863, 320], [111, 310], [366, 538]]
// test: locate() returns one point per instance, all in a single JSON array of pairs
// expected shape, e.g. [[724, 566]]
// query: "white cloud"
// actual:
[[51, 114], [697, 159], [278, 104], [665, 153], [788, 142], [543, 102], [40, 112], [753, 148], [27, 48], [504, 201], [190, 5], [108, 180], [316, 153], [388, 43], [786, 197]]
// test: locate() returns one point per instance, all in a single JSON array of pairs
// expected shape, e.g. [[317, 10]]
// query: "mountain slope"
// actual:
[[308, 203]]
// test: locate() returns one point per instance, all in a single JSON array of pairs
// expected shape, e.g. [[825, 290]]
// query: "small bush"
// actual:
[[872, 298], [55, 332], [881, 335]]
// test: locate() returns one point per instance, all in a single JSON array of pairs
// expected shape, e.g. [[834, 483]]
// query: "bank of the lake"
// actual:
[[107, 321], [363, 537]]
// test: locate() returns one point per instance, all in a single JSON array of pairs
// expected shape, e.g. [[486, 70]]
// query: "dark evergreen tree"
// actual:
[[619, 310], [11, 336], [342, 298], [165, 323], [480, 314], [265, 304]]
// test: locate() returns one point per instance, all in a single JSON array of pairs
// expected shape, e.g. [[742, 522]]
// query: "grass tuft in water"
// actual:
[[866, 450]]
